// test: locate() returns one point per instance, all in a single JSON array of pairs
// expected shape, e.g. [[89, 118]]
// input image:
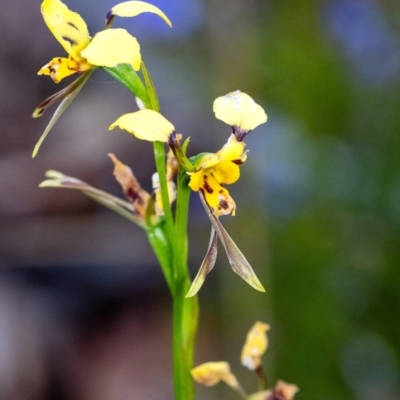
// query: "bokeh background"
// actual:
[[84, 311]]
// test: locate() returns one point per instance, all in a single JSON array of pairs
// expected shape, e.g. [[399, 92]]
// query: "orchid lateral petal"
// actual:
[[111, 47], [59, 180], [238, 109], [206, 266], [134, 8], [56, 97], [67, 99], [236, 259], [67, 26], [145, 125]]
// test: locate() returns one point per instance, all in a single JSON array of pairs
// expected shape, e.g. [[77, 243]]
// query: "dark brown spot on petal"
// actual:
[[73, 25], [206, 185], [237, 162], [223, 204], [72, 42]]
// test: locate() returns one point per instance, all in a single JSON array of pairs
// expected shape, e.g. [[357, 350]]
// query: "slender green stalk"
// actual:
[[173, 258]]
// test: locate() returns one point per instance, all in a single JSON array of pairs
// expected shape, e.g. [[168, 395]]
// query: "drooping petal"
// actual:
[[145, 125], [67, 100], [238, 109], [67, 26], [59, 180], [216, 196], [206, 266], [255, 346], [111, 47], [236, 259], [59, 68], [56, 97], [134, 8]]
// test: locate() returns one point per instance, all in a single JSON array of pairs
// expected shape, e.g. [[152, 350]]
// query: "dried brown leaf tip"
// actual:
[[131, 187], [281, 391]]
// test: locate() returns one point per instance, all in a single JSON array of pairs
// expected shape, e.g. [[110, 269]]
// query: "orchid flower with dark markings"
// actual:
[[209, 172], [106, 49]]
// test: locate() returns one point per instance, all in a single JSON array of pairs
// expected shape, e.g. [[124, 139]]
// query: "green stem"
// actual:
[[185, 317], [185, 311]]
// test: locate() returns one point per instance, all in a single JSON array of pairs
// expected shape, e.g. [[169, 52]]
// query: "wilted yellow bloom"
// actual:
[[255, 346], [145, 125], [239, 110], [211, 373], [108, 48]]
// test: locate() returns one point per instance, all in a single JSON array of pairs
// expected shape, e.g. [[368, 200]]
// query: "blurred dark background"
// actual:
[[84, 311]]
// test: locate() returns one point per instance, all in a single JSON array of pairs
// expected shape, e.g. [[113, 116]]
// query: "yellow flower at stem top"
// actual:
[[107, 48]]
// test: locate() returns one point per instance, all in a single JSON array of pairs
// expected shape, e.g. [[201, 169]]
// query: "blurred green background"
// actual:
[[84, 312]]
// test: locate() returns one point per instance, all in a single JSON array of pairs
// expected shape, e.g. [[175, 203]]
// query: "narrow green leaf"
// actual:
[[125, 74], [60, 110], [236, 259]]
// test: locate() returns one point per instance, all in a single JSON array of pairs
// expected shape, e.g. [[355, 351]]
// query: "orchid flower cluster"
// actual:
[[118, 53]]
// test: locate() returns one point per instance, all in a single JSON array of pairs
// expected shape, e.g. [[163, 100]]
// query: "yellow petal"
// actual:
[[67, 26], [239, 109], [134, 8], [59, 68], [145, 125], [111, 47], [217, 197], [209, 374], [255, 346], [226, 172], [159, 207], [233, 150]]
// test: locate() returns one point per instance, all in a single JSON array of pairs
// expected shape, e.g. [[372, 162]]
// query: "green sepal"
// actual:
[[125, 74]]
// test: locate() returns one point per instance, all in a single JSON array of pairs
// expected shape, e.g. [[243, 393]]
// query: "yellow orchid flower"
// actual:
[[215, 170], [107, 48]]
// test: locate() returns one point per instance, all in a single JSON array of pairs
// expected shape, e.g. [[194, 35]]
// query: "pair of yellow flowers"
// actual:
[[208, 171], [111, 47]]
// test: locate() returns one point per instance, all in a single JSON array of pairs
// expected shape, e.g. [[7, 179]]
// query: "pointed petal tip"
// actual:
[[196, 286]]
